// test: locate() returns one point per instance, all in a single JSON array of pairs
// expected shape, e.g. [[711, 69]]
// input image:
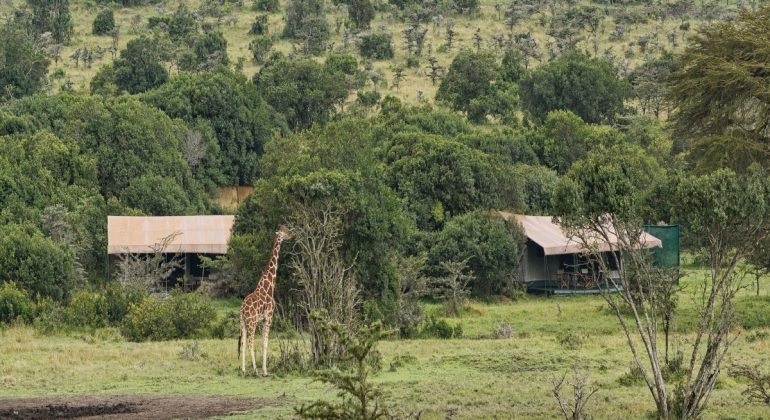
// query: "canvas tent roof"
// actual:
[[543, 231], [195, 234]]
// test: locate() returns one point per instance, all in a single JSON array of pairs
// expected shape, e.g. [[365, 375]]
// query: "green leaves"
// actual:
[[589, 87]]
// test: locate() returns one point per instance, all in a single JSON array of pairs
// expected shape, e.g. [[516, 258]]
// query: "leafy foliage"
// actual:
[[304, 91], [719, 93], [589, 87], [180, 315], [24, 66], [234, 109], [15, 304], [104, 22], [140, 67]]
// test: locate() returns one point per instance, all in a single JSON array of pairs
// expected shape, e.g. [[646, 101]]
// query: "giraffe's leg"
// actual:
[[252, 330], [243, 347], [265, 337]]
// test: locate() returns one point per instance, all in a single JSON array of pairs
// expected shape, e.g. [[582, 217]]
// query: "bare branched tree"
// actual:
[[193, 148], [149, 271], [454, 286], [725, 215], [326, 284], [573, 408]]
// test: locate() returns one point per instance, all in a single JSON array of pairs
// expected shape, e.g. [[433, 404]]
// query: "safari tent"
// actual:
[[553, 262], [190, 236]]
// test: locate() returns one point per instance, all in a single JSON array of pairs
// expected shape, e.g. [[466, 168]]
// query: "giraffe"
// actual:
[[259, 305]]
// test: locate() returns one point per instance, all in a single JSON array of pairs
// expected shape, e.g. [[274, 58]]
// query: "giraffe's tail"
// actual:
[[240, 335]]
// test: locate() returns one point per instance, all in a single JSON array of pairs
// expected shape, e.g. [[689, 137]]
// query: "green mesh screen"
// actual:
[[668, 256]]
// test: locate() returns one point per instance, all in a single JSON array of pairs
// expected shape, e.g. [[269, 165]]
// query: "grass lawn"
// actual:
[[476, 376]]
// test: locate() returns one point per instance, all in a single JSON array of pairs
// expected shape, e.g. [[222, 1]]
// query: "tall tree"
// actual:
[[140, 67], [720, 93], [589, 87], [52, 16], [23, 62], [304, 91]]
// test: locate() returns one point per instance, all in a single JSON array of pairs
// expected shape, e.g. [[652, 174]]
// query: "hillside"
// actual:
[[626, 32]]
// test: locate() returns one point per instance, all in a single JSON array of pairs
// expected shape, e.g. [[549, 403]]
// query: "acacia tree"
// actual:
[[602, 203], [719, 95], [326, 284]]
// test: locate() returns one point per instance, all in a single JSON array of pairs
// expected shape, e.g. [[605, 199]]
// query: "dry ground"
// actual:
[[128, 406]]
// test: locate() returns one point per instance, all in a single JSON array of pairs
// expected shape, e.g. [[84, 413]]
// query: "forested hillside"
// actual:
[[387, 135]]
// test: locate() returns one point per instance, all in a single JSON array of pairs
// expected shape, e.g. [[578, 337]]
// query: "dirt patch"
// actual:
[[128, 407]]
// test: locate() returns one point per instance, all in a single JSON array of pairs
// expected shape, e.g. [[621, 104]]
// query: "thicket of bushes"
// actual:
[[138, 315]]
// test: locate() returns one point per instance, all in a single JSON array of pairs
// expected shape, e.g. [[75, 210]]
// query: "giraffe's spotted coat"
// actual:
[[259, 306]]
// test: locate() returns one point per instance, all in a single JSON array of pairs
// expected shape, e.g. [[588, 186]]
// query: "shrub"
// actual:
[[260, 26], [180, 315], [119, 299], [87, 309], [37, 264], [265, 5], [50, 316], [633, 377], [570, 339], [440, 328], [368, 98], [104, 22], [503, 330], [15, 304], [259, 47], [376, 46], [228, 326]]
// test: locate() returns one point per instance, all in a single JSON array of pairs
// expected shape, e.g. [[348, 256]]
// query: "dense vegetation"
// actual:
[[405, 123]]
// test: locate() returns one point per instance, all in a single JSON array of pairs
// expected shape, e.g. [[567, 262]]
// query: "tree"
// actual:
[[226, 102], [719, 99], [589, 87], [469, 83], [439, 178], [334, 167], [326, 284], [490, 247], [35, 263], [376, 46], [210, 50], [23, 62], [104, 22], [304, 91], [361, 13], [139, 67], [306, 22], [605, 197], [52, 16]]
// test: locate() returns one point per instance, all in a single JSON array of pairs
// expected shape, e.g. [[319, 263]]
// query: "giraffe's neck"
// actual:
[[267, 282]]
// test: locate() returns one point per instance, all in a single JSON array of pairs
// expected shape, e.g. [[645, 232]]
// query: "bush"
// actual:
[[35, 262], [228, 326], [440, 328], [752, 312], [104, 22], [633, 377], [259, 47], [50, 316], [265, 5], [260, 26], [88, 309], [15, 304], [376, 46], [503, 330], [180, 315], [119, 300], [570, 339]]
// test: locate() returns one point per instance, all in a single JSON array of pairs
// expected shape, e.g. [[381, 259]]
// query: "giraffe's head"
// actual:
[[283, 233]]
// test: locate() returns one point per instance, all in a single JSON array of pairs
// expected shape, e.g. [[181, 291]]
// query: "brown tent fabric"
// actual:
[[195, 234], [549, 235]]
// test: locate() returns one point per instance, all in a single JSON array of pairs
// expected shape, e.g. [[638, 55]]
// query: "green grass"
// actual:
[[476, 375]]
